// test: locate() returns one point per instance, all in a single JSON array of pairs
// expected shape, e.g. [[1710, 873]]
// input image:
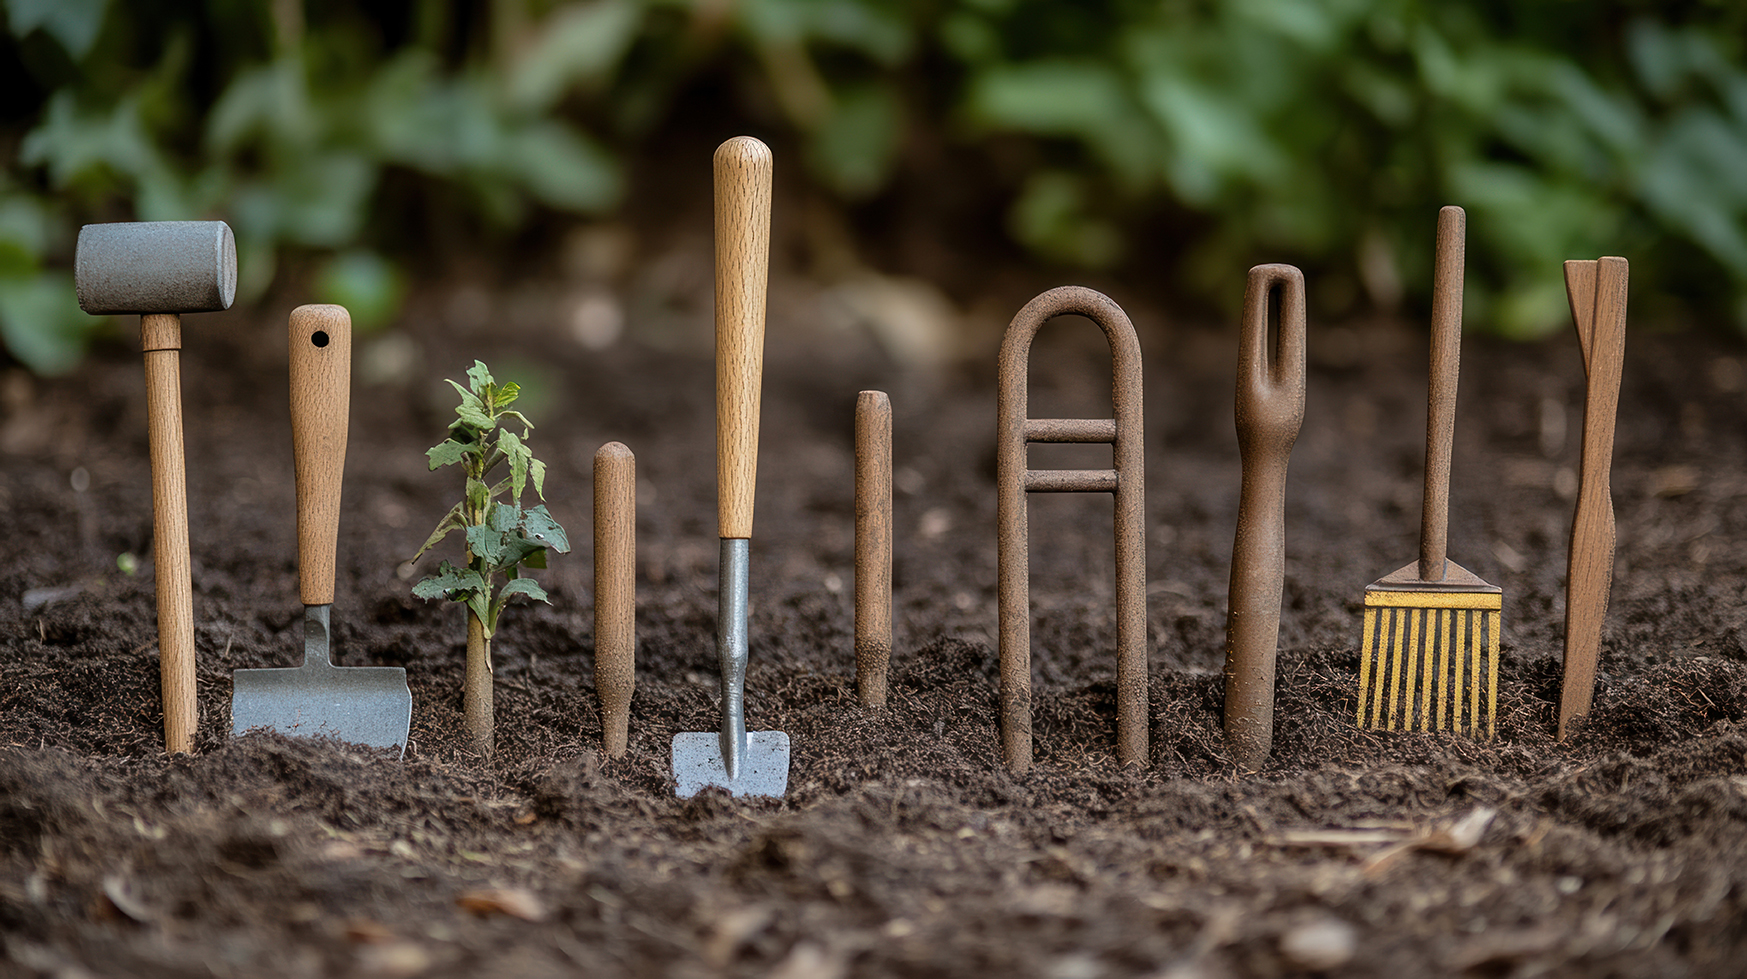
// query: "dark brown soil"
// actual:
[[903, 847]]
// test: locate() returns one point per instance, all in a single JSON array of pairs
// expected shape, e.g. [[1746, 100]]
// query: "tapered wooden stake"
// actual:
[[1597, 291], [873, 545], [615, 591]]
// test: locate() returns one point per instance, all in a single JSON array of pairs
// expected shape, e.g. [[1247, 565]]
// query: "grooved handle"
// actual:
[[615, 591], [743, 179], [321, 385], [1441, 396], [161, 336]]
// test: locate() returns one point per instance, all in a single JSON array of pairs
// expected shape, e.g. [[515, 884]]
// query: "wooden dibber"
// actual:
[[1125, 481], [160, 270], [615, 591], [1597, 291], [873, 545], [1270, 408]]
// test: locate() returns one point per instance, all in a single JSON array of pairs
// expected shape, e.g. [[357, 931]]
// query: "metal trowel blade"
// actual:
[[764, 770], [370, 705]]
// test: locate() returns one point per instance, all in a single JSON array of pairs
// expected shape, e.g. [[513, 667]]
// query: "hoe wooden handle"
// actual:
[[321, 382], [1434, 525], [743, 169]]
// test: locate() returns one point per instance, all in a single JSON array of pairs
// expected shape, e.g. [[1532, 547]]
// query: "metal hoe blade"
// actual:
[[744, 763], [362, 704]]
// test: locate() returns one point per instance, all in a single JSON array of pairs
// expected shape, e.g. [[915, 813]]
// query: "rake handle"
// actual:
[[1441, 395], [743, 181], [321, 381]]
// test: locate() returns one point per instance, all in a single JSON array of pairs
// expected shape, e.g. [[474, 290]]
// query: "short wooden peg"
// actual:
[[615, 591]]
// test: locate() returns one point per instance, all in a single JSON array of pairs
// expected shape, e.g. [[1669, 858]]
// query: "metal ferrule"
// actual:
[[731, 649], [315, 635]]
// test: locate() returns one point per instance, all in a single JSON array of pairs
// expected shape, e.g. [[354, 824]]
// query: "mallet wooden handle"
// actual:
[[615, 591], [161, 339], [1441, 397], [743, 181], [1597, 291], [321, 382]]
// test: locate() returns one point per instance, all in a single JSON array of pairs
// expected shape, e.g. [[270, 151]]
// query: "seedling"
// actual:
[[502, 537]]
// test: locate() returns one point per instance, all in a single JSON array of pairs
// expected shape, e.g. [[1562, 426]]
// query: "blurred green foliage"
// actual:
[[1323, 132]]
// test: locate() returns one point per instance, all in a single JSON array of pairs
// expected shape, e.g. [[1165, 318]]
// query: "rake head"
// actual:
[[1428, 649]]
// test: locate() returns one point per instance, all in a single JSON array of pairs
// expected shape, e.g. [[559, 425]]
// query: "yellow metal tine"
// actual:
[[1456, 670], [1414, 618], [1395, 667], [1365, 663], [1474, 624], [1428, 673], [1382, 678], [1443, 666], [1493, 621]]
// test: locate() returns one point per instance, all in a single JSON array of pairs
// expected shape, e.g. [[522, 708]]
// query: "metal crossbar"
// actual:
[[1126, 481]]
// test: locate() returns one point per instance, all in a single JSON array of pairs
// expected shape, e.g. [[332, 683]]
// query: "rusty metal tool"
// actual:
[[757, 762], [1125, 481], [362, 704], [1433, 621], [160, 270], [1597, 291], [1270, 408], [873, 545], [615, 591]]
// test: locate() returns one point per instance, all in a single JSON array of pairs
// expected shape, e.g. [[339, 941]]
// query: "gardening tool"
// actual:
[[615, 591], [873, 545], [757, 762], [1430, 622], [1126, 482], [361, 704], [160, 270], [1270, 407], [1597, 291]]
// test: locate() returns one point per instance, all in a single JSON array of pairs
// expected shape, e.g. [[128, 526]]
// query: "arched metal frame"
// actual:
[[1126, 481]]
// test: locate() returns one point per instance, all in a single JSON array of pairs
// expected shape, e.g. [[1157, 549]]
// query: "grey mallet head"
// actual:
[[155, 267]]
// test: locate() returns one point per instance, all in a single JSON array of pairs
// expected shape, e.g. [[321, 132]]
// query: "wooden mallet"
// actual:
[[160, 270]]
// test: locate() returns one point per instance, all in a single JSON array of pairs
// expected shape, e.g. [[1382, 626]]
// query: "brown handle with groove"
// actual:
[[1270, 409], [321, 383], [161, 340], [743, 182], [1441, 396], [1597, 291]]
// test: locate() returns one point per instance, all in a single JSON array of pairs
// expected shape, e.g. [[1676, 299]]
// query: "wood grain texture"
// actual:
[[615, 591], [1597, 289], [321, 395], [743, 189], [1446, 362], [873, 545], [161, 336], [1269, 412]]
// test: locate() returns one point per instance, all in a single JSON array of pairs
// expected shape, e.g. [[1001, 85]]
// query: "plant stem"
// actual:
[[477, 689]]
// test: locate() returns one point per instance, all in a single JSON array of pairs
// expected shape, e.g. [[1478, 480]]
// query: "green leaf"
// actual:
[[486, 545], [451, 582], [41, 325], [448, 452], [577, 45], [519, 586], [504, 518], [535, 559], [479, 378], [368, 285], [452, 521], [74, 23], [472, 411], [518, 455], [480, 604], [527, 426], [477, 495], [537, 469], [539, 526]]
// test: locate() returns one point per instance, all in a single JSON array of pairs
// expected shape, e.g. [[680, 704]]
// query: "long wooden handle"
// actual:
[[321, 394], [161, 339], [743, 179], [1597, 291], [1441, 397]]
